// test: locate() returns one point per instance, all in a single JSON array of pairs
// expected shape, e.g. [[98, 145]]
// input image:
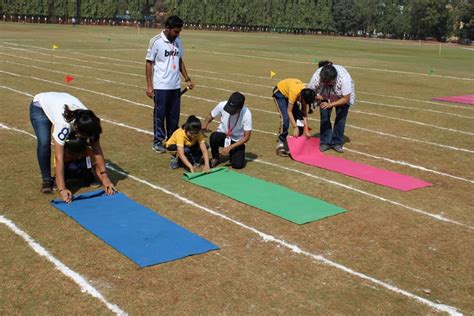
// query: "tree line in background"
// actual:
[[389, 18]]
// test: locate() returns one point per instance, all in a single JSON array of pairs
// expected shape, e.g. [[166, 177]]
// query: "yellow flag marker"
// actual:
[[272, 74], [55, 46]]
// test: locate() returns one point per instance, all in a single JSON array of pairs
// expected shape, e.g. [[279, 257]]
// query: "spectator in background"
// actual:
[[164, 63]]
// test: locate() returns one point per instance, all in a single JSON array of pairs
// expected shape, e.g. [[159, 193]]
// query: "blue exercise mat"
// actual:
[[135, 231]]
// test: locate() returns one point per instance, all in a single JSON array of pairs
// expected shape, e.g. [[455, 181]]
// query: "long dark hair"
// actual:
[[193, 125], [85, 122], [75, 144]]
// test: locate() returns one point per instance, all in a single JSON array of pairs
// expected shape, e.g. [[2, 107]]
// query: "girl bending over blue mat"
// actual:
[[63, 114], [188, 146]]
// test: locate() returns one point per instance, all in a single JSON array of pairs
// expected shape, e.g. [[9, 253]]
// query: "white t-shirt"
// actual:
[[52, 104], [166, 56], [238, 122], [344, 85]]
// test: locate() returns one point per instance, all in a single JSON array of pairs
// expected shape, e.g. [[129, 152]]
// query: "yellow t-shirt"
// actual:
[[179, 138], [291, 89]]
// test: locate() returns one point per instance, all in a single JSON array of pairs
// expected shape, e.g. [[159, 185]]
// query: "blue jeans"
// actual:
[[42, 127], [167, 110], [328, 136], [282, 103], [193, 152]]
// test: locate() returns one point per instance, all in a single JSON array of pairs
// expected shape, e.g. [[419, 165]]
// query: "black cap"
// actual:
[[235, 103]]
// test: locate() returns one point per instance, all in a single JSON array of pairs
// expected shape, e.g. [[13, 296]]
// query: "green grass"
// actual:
[[391, 242]]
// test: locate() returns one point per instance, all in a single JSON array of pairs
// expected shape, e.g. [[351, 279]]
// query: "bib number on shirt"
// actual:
[[227, 142], [62, 135], [88, 162]]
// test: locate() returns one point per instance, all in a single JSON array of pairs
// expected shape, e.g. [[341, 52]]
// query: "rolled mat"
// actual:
[[463, 99], [306, 150], [272, 198], [135, 231]]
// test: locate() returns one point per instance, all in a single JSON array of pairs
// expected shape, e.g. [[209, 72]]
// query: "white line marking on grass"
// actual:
[[272, 133], [434, 216], [295, 248], [16, 130], [418, 101], [416, 109], [85, 286], [246, 75], [310, 63], [231, 81], [413, 122], [72, 65]]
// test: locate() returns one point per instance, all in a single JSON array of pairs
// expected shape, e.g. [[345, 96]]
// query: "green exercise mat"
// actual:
[[272, 198]]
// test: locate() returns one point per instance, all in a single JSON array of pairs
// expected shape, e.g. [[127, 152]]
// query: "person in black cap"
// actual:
[[233, 131]]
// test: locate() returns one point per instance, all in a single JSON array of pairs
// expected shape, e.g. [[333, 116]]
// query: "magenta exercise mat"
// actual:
[[306, 150], [463, 99]]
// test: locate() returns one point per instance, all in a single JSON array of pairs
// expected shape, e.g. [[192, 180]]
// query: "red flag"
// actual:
[[68, 79]]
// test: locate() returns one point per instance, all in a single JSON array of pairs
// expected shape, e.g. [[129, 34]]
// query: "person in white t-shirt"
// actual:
[[334, 89], [233, 131], [65, 115], [164, 63]]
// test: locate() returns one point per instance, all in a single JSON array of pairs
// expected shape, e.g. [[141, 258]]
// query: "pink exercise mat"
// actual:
[[306, 150], [464, 99]]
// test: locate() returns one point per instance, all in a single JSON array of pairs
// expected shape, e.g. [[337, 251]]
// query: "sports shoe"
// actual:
[[214, 162], [324, 147], [174, 163], [47, 187], [281, 150], [338, 148], [159, 148]]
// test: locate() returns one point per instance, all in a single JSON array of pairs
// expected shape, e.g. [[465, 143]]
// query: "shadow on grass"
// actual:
[[249, 157], [75, 184], [346, 139]]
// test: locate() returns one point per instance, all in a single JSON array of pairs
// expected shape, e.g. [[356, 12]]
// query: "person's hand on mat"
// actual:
[[306, 131], [66, 195], [110, 189], [296, 131], [206, 168]]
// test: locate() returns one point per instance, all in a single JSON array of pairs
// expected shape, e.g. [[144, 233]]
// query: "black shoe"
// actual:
[[338, 148], [47, 187], [324, 147]]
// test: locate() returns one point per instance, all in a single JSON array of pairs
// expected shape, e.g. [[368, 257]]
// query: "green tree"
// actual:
[[429, 18], [345, 17]]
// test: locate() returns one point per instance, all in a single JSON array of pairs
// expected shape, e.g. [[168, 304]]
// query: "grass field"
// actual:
[[392, 253]]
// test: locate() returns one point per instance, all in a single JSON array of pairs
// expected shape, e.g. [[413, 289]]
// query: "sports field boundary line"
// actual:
[[413, 209], [403, 163], [393, 161], [296, 62], [239, 82], [255, 109], [214, 72], [84, 285], [345, 186], [295, 248]]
